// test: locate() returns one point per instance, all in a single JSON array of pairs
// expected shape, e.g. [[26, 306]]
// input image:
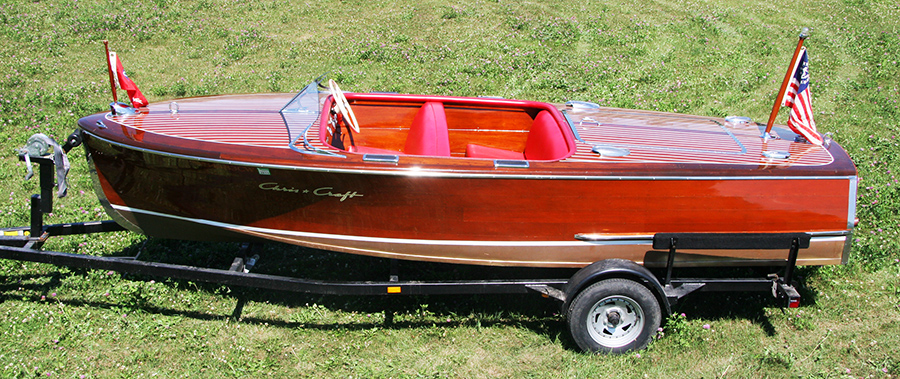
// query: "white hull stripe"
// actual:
[[377, 239]]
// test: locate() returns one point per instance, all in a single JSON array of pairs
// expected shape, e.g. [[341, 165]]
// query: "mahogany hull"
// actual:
[[469, 212]]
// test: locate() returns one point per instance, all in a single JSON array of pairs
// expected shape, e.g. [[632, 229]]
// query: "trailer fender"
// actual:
[[614, 268]]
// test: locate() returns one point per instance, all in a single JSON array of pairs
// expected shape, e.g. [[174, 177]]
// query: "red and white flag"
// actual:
[[122, 81], [799, 99]]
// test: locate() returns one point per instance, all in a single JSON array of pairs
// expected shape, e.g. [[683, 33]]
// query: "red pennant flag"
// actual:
[[122, 81]]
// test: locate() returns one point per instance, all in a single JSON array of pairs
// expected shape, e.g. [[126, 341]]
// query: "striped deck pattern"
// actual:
[[225, 119], [649, 137], [672, 138]]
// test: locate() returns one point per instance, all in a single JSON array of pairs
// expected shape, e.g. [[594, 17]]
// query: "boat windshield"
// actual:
[[300, 114]]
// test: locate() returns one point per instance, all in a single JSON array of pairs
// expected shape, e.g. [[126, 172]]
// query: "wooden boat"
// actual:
[[483, 181]]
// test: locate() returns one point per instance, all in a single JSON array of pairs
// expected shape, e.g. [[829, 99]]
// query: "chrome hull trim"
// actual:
[[851, 208], [845, 257]]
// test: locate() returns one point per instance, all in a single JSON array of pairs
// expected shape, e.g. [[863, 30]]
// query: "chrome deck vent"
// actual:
[[610, 151], [776, 154], [738, 121], [581, 105]]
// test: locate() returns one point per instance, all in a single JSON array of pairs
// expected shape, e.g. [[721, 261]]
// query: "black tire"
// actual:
[[614, 316]]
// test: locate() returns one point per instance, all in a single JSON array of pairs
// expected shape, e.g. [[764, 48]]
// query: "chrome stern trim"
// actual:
[[851, 206]]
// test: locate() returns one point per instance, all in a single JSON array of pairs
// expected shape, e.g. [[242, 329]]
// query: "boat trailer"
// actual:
[[614, 289]]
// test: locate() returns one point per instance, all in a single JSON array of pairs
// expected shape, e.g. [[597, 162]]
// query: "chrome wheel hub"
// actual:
[[615, 321]]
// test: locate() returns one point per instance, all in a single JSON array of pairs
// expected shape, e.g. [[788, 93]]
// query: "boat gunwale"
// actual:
[[492, 172]]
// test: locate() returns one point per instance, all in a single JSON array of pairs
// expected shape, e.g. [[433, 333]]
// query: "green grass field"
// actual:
[[713, 58]]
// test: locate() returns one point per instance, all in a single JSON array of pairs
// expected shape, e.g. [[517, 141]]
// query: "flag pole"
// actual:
[[112, 80], [804, 34]]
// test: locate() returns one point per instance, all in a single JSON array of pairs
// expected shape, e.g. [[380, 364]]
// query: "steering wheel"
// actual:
[[343, 106]]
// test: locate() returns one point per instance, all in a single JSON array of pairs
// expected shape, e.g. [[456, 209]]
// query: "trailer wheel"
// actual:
[[614, 316]]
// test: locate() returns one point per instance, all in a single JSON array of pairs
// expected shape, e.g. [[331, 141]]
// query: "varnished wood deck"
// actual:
[[650, 137]]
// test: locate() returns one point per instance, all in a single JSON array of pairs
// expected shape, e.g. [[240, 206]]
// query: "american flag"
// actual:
[[798, 98]]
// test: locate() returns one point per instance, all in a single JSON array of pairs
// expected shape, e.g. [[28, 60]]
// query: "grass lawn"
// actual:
[[714, 58]]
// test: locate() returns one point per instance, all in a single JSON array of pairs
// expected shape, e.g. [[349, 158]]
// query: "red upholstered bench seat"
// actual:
[[480, 151], [545, 142], [473, 129], [428, 135]]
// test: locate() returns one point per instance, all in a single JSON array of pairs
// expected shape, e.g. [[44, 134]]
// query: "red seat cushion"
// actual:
[[428, 134], [545, 140], [479, 151]]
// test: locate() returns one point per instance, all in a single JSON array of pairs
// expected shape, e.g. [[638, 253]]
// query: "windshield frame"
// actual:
[[299, 115]]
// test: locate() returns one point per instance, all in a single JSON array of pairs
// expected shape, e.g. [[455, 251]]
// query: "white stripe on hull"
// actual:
[[563, 254]]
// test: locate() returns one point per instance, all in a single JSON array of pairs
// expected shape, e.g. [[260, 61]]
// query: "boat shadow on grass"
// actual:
[[532, 312]]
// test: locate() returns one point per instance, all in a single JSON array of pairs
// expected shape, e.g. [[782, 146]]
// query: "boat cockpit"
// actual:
[[436, 126]]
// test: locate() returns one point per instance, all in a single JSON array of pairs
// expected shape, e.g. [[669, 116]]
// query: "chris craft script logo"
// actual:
[[321, 191]]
